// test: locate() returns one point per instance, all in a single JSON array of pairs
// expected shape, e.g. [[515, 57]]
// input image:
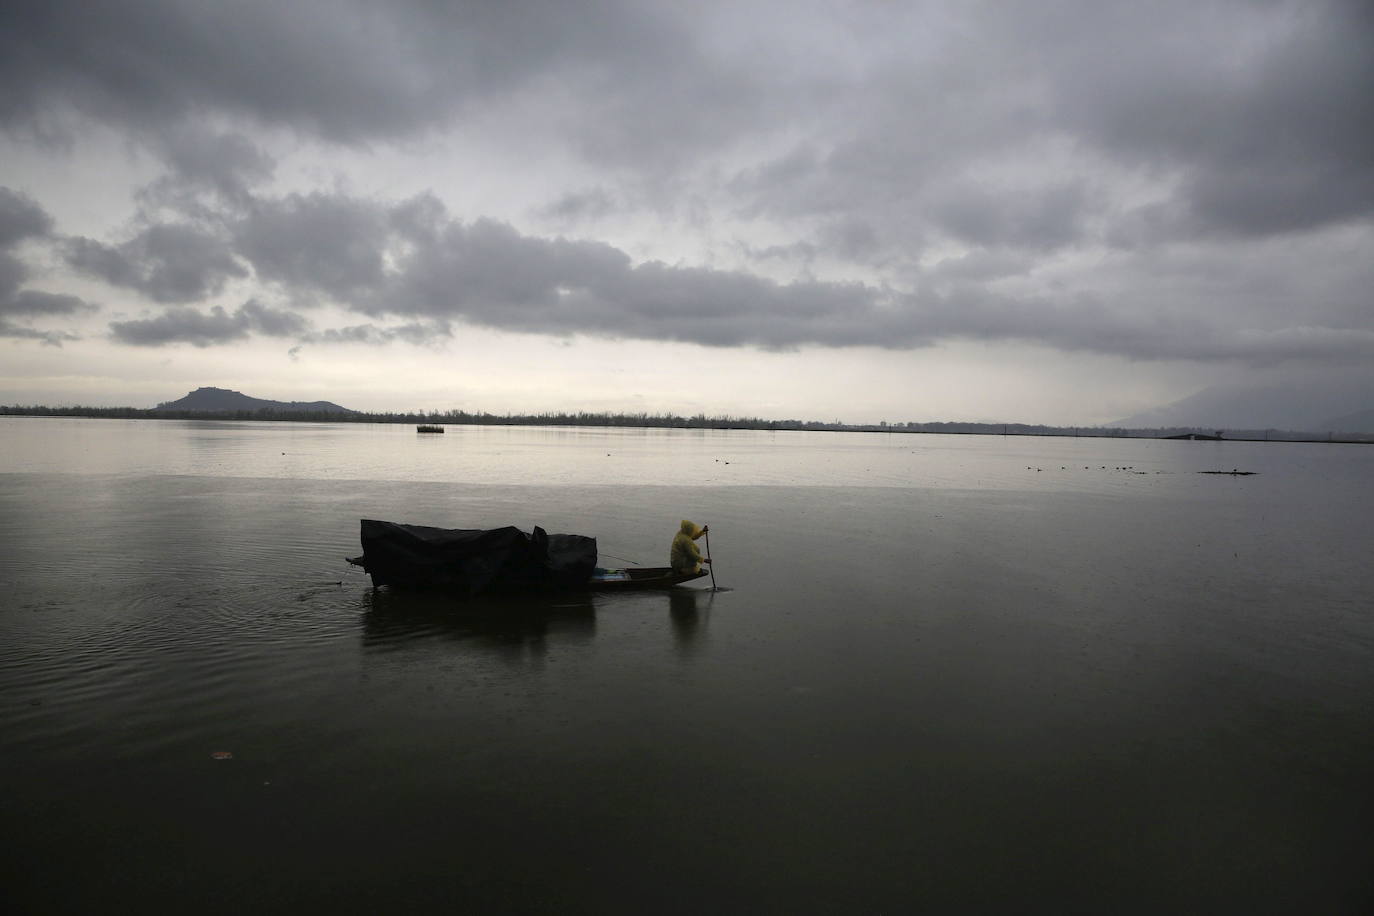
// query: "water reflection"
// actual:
[[690, 610], [515, 627], [523, 627]]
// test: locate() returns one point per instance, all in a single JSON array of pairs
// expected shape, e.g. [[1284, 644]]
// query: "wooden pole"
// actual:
[[709, 565]]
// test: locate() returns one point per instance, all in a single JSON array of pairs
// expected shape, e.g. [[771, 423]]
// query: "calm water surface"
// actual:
[[952, 674]]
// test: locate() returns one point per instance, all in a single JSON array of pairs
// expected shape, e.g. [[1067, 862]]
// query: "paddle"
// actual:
[[709, 565]]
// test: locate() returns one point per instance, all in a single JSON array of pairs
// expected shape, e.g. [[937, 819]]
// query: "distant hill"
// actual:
[[1362, 421], [221, 400], [1308, 408]]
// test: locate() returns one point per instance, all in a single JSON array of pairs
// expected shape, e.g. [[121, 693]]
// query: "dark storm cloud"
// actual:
[[1087, 176], [272, 322], [12, 274], [486, 273], [412, 261], [30, 304], [1083, 323], [1046, 218], [1254, 114], [345, 71], [208, 170], [316, 243], [20, 218], [21, 332], [167, 262], [33, 302], [226, 162], [1260, 108], [207, 328]]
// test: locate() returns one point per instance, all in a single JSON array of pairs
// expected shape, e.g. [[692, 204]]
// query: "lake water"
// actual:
[[951, 674]]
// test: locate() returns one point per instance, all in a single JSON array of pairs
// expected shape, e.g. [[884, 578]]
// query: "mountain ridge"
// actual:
[[1361, 421], [1307, 408], [219, 400]]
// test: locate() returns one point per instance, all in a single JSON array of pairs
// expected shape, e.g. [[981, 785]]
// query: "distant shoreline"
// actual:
[[671, 421]]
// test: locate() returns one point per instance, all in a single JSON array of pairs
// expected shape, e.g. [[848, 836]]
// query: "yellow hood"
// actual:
[[690, 529]]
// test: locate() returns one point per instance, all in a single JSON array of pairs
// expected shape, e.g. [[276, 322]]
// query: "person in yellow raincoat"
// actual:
[[684, 556]]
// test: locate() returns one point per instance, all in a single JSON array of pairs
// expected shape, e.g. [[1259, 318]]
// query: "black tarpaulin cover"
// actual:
[[472, 561]]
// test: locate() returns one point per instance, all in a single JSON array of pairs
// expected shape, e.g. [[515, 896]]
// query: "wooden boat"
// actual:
[[469, 561], [427, 428], [614, 580]]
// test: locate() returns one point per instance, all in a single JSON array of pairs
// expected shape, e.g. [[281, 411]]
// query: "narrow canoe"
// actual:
[[648, 577]]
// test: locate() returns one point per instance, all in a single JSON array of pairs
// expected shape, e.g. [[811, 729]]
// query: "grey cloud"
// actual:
[[206, 329], [416, 333], [228, 163], [1254, 113], [346, 71], [970, 151], [644, 86], [100, 260], [1258, 109], [167, 262], [272, 322], [20, 332], [207, 169], [321, 243], [181, 325], [1086, 324], [587, 204], [486, 273], [488, 269], [800, 182], [981, 265], [805, 252], [12, 274], [851, 238], [34, 302], [1043, 218], [1261, 108], [20, 217], [412, 260], [1260, 200]]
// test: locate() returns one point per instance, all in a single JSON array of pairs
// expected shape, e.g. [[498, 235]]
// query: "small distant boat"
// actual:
[[507, 560], [426, 428]]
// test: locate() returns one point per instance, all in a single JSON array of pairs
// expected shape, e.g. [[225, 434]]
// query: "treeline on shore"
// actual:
[[665, 421]]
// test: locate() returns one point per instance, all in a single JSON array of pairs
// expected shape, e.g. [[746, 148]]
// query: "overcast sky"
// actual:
[[1059, 212]]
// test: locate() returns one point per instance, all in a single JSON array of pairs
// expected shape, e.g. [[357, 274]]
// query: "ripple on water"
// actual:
[[139, 654]]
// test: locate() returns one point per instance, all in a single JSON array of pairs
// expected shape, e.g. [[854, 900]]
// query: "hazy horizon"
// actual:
[[305, 411]]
